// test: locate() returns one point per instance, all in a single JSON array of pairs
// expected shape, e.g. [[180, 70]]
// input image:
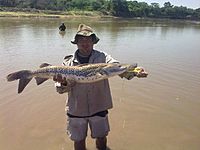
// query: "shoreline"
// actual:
[[46, 15], [78, 14], [36, 13], [31, 12]]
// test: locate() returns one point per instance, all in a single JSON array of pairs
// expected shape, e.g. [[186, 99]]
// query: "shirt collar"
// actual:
[[75, 58]]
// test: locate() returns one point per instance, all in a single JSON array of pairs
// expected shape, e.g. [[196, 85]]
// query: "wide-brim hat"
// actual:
[[84, 30]]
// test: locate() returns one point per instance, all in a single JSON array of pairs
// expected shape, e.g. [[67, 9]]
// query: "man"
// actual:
[[62, 27], [88, 103]]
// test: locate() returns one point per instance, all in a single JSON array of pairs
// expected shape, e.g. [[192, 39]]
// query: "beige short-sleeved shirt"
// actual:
[[86, 99]]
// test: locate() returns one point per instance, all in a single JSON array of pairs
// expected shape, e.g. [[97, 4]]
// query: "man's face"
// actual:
[[85, 45]]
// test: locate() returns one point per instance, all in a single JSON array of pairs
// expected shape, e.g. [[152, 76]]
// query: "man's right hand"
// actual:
[[63, 81]]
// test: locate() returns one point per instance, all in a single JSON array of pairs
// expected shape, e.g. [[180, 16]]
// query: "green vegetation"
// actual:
[[118, 8]]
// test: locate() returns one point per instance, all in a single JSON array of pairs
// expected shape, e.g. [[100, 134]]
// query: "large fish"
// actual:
[[86, 73]]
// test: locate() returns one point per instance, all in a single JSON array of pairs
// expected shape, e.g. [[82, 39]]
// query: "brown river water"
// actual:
[[160, 112]]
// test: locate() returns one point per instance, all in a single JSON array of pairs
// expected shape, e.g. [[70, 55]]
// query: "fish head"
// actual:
[[115, 69]]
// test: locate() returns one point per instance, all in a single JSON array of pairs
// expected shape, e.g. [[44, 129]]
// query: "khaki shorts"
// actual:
[[77, 127]]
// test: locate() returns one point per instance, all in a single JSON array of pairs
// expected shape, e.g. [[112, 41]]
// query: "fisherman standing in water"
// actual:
[[62, 27], [88, 103]]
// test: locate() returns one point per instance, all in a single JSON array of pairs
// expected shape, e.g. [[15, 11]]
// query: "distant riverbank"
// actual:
[[36, 13], [29, 12], [42, 14], [49, 15]]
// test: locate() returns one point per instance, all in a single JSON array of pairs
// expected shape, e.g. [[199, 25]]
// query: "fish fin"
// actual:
[[44, 65], [23, 83], [40, 80]]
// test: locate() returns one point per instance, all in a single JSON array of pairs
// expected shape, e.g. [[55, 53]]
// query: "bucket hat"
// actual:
[[84, 30]]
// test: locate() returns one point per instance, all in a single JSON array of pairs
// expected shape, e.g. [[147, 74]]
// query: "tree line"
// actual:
[[119, 8]]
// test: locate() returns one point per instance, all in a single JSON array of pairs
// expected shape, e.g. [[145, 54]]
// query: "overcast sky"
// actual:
[[188, 3]]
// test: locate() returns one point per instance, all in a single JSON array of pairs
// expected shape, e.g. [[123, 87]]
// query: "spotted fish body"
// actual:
[[81, 74]]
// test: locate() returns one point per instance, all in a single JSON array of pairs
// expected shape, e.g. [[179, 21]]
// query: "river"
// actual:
[[160, 112]]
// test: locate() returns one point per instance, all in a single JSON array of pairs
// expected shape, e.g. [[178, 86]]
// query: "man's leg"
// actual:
[[77, 131], [99, 130], [101, 143], [79, 145]]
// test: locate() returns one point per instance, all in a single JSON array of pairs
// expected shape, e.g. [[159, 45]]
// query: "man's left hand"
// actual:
[[141, 73], [138, 72]]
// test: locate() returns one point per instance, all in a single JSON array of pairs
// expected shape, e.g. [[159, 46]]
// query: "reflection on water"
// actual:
[[160, 112]]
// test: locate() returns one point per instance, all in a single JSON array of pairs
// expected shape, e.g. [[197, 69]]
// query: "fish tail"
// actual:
[[24, 77]]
